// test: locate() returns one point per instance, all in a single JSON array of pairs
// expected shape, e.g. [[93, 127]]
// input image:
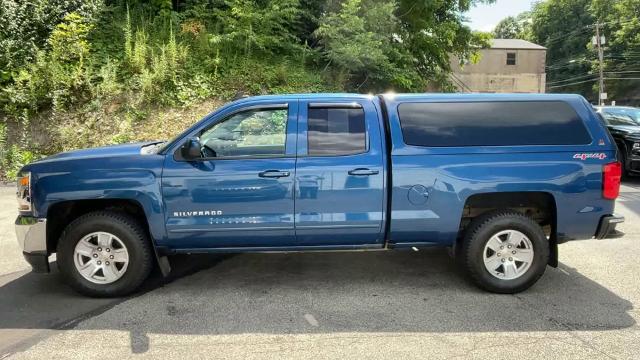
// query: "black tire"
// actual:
[[622, 157], [480, 232], [128, 230]]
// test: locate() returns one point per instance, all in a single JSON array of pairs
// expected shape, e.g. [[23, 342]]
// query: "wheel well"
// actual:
[[61, 214], [540, 206], [621, 153]]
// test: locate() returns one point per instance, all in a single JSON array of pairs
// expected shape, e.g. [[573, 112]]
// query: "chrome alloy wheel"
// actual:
[[508, 254], [101, 258]]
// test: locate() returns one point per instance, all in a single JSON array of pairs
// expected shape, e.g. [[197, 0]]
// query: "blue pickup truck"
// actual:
[[499, 179]]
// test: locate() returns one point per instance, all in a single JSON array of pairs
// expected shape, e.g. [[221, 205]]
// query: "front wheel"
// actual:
[[622, 157], [104, 254], [505, 252]]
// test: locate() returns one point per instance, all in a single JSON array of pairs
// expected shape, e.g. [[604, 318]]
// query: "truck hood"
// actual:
[[625, 130], [103, 152]]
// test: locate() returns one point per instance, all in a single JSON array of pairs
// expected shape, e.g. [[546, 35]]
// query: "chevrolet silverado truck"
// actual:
[[501, 180]]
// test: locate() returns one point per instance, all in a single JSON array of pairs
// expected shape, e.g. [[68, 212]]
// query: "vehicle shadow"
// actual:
[[629, 197], [632, 181], [45, 302], [320, 292]]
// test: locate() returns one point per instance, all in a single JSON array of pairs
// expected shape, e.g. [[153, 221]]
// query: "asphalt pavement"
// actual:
[[332, 305]]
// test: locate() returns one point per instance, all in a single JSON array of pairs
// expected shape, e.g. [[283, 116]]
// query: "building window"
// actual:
[[511, 58]]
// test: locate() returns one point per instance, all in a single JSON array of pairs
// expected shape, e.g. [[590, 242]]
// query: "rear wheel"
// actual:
[[505, 252], [104, 254]]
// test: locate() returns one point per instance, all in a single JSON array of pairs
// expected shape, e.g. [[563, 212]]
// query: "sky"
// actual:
[[485, 17]]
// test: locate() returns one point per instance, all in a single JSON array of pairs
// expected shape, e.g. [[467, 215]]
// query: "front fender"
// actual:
[[123, 179]]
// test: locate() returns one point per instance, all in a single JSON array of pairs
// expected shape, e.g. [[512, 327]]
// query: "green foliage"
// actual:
[[250, 25], [56, 78], [512, 27], [68, 40], [12, 157], [432, 31], [566, 28], [562, 27], [89, 72], [108, 85], [25, 27], [351, 42], [622, 30], [401, 45]]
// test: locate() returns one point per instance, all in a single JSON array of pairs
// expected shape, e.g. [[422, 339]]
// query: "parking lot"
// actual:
[[333, 305]]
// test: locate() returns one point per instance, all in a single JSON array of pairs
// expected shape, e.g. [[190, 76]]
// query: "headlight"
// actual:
[[636, 146], [24, 192]]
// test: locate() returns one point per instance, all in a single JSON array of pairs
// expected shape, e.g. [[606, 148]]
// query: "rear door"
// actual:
[[339, 174]]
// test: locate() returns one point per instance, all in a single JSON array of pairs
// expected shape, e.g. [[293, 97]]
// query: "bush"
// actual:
[[95, 72], [12, 157]]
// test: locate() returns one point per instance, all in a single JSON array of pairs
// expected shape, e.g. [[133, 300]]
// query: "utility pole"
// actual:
[[599, 42]]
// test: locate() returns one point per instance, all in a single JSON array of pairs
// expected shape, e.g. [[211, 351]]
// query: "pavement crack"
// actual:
[[562, 325]]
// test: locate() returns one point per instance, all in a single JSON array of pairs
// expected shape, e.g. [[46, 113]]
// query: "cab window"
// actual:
[[259, 133], [336, 131]]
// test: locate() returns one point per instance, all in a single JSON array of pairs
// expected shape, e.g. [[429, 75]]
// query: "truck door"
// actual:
[[240, 194], [339, 194]]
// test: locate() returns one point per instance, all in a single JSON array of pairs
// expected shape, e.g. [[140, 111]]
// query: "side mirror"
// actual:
[[190, 150]]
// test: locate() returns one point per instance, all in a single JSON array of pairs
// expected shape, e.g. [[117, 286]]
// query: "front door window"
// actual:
[[254, 133]]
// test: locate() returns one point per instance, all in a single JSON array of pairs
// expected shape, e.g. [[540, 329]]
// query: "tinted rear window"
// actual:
[[333, 132], [491, 124]]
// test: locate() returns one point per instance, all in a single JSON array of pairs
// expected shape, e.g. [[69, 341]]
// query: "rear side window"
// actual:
[[336, 131], [491, 124]]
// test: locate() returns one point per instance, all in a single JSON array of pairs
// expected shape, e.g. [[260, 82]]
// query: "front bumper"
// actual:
[[607, 227], [633, 165], [32, 238]]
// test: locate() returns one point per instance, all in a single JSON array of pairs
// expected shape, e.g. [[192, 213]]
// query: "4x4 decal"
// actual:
[[585, 156]]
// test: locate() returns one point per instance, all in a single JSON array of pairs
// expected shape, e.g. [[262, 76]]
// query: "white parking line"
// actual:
[[311, 320]]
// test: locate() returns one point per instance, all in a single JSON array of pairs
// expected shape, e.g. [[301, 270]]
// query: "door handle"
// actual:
[[274, 174], [363, 172]]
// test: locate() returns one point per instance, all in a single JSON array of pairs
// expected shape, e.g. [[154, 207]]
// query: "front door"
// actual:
[[240, 193], [339, 174]]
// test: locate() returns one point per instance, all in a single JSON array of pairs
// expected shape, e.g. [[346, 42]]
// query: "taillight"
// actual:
[[611, 174]]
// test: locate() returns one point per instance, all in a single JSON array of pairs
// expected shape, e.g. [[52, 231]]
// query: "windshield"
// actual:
[[623, 114], [611, 119]]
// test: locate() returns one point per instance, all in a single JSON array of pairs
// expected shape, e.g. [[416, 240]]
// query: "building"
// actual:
[[509, 65]]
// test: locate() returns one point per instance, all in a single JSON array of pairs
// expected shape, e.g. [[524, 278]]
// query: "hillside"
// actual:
[[77, 73]]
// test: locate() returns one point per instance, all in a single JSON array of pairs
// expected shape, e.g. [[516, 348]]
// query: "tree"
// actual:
[[512, 27], [354, 38], [565, 28], [25, 27], [432, 31], [405, 44], [621, 27]]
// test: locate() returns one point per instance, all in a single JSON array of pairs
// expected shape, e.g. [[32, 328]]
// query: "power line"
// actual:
[[575, 83], [560, 82], [612, 64], [586, 28], [622, 72], [619, 21], [577, 31], [567, 64], [594, 79], [569, 79], [582, 61]]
